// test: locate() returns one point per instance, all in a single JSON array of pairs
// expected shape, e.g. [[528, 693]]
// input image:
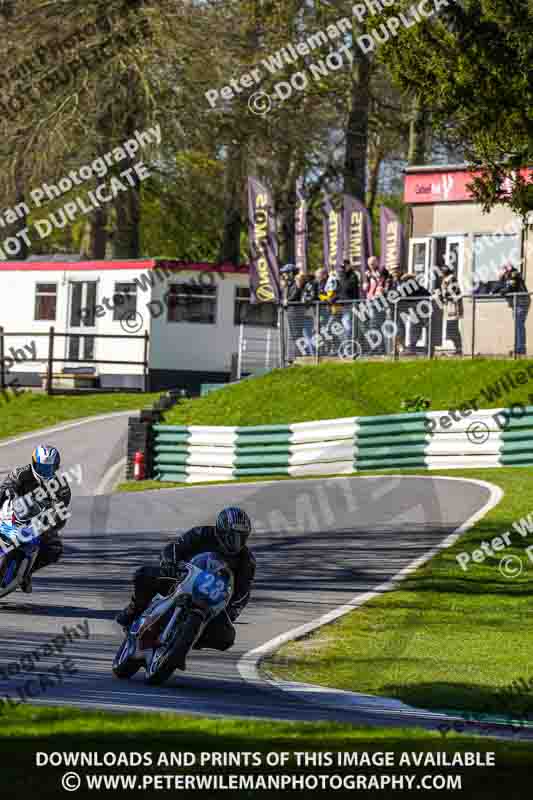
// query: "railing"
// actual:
[[415, 326], [260, 350], [51, 359]]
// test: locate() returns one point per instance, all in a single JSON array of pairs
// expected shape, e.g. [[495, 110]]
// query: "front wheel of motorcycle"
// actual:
[[124, 667], [172, 656]]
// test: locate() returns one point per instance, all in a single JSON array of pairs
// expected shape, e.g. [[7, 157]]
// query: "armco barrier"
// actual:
[[425, 440]]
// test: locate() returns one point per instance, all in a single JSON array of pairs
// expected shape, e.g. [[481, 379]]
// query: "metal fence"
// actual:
[[416, 326], [260, 349]]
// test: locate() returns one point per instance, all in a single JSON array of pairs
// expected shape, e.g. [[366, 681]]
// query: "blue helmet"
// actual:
[[232, 528], [45, 461]]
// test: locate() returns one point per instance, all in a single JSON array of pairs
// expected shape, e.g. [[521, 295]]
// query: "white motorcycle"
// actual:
[[162, 636]]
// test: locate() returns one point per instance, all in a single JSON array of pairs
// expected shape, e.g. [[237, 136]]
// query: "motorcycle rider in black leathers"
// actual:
[[24, 482], [228, 538]]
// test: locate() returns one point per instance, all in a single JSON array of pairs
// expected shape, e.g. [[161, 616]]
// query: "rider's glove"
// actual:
[[237, 606]]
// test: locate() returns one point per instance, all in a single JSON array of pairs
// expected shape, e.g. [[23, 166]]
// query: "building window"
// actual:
[[490, 254], [263, 314], [45, 301], [124, 300], [192, 303]]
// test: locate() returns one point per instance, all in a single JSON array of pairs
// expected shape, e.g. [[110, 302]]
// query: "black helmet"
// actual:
[[233, 527]]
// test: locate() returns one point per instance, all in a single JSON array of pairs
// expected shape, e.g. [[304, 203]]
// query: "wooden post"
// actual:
[[515, 338], [50, 369], [473, 343], [146, 381], [2, 365]]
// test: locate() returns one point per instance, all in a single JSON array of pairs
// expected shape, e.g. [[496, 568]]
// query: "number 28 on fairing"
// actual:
[[211, 587]]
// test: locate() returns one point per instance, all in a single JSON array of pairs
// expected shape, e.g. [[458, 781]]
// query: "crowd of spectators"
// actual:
[[335, 291], [324, 309]]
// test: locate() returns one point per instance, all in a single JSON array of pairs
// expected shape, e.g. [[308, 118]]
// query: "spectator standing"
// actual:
[[333, 311], [321, 280], [512, 286], [415, 292], [348, 294], [303, 292], [449, 294], [287, 276], [376, 284]]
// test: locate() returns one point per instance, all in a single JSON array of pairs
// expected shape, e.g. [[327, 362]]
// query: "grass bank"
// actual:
[[27, 730], [151, 485], [31, 411], [447, 638], [329, 391]]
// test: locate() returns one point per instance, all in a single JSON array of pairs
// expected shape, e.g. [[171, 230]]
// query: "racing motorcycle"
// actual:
[[162, 636], [19, 545]]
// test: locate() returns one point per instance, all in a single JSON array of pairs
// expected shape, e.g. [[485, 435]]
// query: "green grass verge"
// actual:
[[32, 411], [28, 730], [445, 639], [331, 391], [151, 485]]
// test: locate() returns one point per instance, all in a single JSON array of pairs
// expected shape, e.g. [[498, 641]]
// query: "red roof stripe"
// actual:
[[100, 266]]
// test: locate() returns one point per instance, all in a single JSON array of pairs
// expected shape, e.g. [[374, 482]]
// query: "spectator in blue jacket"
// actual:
[[512, 286]]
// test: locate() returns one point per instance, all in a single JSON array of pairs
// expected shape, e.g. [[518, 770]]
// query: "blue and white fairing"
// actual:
[[19, 545], [213, 585]]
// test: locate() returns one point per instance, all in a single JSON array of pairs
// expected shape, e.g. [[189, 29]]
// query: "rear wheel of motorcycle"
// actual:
[[177, 650], [127, 668]]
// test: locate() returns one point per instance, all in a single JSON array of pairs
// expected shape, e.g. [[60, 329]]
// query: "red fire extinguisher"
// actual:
[[138, 466]]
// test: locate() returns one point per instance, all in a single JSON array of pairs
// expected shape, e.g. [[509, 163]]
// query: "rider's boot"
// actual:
[[26, 584], [132, 610], [127, 615]]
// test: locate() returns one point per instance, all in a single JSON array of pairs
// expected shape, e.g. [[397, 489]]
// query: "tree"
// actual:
[[417, 134], [471, 66], [75, 86]]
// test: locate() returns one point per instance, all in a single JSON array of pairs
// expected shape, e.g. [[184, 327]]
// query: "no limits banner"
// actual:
[[262, 236], [333, 236], [357, 232], [392, 240]]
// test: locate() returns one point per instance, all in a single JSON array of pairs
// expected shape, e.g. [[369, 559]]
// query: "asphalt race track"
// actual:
[[319, 544]]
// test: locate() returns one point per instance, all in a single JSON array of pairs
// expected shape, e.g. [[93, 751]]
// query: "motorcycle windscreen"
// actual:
[[211, 562]]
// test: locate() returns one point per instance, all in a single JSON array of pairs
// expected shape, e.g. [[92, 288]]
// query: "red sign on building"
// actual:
[[442, 187]]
